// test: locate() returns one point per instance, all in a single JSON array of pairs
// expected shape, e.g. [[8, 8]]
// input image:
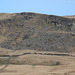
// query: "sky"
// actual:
[[50, 7]]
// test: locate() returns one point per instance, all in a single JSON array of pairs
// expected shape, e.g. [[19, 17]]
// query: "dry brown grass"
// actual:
[[2, 38], [6, 16], [70, 17], [36, 64], [39, 70]]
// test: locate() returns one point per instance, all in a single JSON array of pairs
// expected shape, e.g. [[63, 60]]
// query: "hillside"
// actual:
[[39, 32]]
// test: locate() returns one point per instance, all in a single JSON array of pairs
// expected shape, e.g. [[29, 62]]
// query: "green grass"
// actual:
[[3, 61]]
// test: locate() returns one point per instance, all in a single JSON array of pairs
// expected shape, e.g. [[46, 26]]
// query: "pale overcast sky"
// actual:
[[51, 7]]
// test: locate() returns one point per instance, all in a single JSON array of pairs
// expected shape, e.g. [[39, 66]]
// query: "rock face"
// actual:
[[38, 32]]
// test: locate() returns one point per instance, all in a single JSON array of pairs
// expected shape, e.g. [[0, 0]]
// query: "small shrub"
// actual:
[[57, 63], [28, 45], [25, 37]]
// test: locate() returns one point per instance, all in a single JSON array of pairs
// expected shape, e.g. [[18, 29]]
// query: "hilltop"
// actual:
[[39, 32]]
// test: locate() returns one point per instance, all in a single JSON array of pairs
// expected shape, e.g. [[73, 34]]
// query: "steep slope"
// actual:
[[37, 32]]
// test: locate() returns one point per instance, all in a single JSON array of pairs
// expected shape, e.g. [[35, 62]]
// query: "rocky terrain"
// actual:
[[39, 32]]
